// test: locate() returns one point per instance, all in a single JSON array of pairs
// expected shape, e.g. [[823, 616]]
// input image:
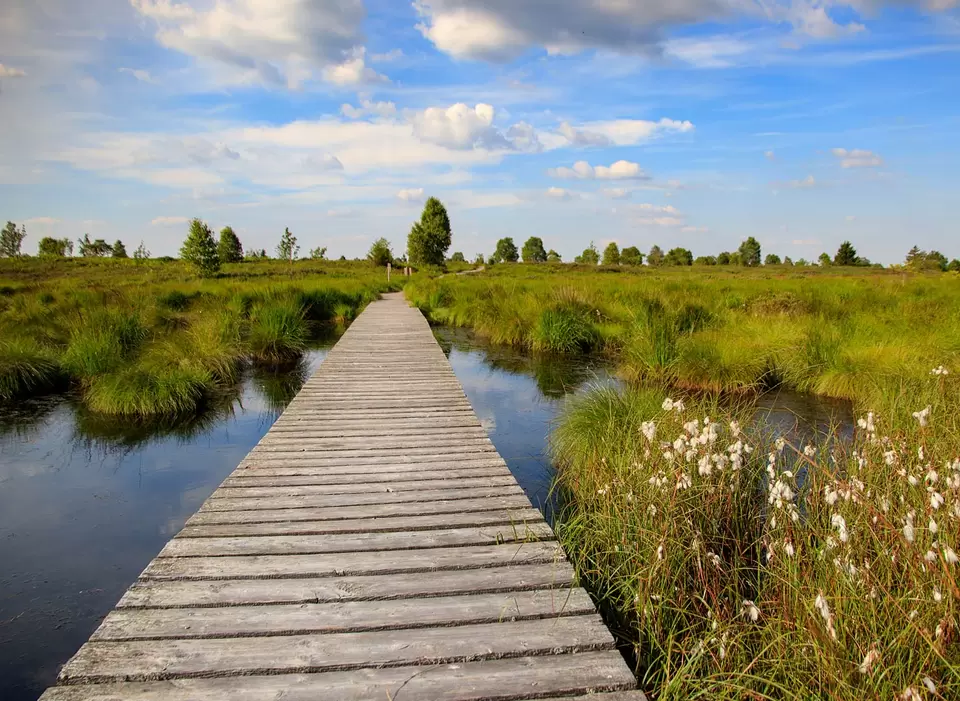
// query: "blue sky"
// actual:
[[692, 123]]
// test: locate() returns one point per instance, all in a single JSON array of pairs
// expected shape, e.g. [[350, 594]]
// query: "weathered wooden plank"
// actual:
[[374, 433], [348, 469], [217, 502], [346, 429], [360, 446], [360, 563], [354, 542], [304, 459], [321, 414], [421, 522], [252, 480], [365, 487], [165, 659], [488, 680], [341, 617], [373, 511], [184, 594]]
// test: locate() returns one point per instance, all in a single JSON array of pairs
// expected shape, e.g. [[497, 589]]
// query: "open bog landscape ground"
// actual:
[[733, 555]]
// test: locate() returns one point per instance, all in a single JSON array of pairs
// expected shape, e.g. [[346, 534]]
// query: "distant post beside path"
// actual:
[[388, 272]]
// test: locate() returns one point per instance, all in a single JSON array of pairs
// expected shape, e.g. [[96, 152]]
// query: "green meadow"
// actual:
[[732, 563], [149, 338], [862, 334]]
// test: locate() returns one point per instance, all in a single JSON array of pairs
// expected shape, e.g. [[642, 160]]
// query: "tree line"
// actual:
[[430, 239]]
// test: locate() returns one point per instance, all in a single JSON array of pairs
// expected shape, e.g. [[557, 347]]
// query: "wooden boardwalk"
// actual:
[[373, 545]]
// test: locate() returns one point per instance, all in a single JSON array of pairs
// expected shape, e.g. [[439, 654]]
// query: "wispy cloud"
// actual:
[[169, 221], [857, 158]]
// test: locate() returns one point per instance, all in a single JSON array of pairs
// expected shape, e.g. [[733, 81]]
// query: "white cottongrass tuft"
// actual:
[[910, 694], [750, 610], [923, 416], [940, 371], [838, 522], [821, 605], [649, 430], [908, 531], [950, 555], [869, 660]]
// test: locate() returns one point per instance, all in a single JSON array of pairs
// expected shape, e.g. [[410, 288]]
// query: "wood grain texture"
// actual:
[[488, 680], [373, 545], [180, 594]]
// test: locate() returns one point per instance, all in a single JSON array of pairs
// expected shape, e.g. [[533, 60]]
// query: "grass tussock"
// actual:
[[746, 567], [26, 369], [278, 331]]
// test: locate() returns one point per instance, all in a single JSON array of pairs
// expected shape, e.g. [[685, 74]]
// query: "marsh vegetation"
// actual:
[[153, 338]]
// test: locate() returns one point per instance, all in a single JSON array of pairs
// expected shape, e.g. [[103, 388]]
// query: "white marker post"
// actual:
[[388, 272]]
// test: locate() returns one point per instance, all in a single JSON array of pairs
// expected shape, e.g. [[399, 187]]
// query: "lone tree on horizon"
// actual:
[[533, 250], [846, 254], [430, 238], [229, 249], [200, 250], [118, 250], [506, 251], [611, 254], [11, 239], [380, 253], [655, 256], [288, 249], [631, 255], [56, 248], [749, 252], [590, 256]]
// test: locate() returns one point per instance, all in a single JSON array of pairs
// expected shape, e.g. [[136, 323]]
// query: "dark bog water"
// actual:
[[85, 503]]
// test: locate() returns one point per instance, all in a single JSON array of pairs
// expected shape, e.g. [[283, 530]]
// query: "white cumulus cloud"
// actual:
[[353, 71], [621, 170], [857, 158], [502, 30], [558, 193], [460, 127], [10, 72], [383, 110], [411, 194], [265, 40]]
